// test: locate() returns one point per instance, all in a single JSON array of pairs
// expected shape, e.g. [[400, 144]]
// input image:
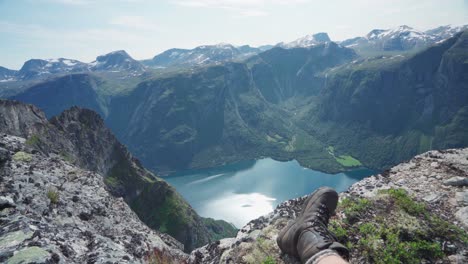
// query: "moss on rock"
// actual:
[[14, 238], [29, 255], [22, 156]]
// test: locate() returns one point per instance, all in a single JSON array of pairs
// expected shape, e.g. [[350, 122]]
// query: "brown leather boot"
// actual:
[[315, 238], [318, 207]]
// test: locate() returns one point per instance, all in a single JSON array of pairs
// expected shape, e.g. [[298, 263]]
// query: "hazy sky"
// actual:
[[84, 29]]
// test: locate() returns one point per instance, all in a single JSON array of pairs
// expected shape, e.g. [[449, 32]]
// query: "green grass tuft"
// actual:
[[354, 207], [22, 156], [66, 157], [53, 195], [111, 181], [404, 201], [269, 260], [33, 141]]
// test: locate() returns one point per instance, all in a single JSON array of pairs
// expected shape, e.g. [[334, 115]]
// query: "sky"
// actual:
[[84, 29]]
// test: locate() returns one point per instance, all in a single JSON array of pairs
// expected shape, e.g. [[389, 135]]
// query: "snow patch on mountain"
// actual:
[[202, 55], [307, 41], [401, 38]]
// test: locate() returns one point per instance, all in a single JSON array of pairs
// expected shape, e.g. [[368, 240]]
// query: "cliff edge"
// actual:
[[52, 211], [416, 212]]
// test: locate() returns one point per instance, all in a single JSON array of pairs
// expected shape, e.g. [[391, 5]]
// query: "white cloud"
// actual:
[[82, 44], [253, 13], [250, 8], [236, 3], [85, 2], [71, 2], [134, 22]]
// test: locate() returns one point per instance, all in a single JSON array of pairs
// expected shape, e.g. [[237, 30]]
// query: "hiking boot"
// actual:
[[315, 238], [317, 208]]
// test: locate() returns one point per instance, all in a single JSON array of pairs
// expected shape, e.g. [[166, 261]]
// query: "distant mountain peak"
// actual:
[[321, 37], [224, 44], [121, 52], [405, 27], [307, 41], [37, 68], [217, 46], [113, 54], [118, 60]]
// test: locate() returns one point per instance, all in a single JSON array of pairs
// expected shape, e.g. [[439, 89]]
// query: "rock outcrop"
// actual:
[[52, 211], [409, 214], [80, 137]]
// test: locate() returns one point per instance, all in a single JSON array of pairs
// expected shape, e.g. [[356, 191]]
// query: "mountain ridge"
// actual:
[[400, 39], [219, 53], [37, 69]]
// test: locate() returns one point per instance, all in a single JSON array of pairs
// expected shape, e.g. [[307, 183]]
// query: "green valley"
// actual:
[[282, 103]]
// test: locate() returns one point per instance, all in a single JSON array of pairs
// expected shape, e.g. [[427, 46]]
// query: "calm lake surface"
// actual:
[[240, 192]]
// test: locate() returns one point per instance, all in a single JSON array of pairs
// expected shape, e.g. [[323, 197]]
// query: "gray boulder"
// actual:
[[457, 181]]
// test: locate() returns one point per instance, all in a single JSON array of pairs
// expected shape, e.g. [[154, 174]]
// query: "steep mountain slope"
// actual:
[[80, 137], [416, 212], [7, 74], [57, 95], [280, 74], [384, 111], [225, 113], [180, 121]]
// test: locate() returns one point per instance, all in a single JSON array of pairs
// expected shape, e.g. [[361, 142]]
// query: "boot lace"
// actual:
[[323, 214], [320, 222]]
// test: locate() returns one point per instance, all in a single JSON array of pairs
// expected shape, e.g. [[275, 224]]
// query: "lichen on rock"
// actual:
[[55, 212]]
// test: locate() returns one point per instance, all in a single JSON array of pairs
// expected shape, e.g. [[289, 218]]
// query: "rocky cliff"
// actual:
[[80, 137], [54, 212], [416, 212]]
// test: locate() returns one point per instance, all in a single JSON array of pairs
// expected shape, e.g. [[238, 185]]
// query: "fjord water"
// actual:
[[240, 192]]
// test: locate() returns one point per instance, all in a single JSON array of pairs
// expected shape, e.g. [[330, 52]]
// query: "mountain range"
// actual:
[[403, 38], [40, 69], [326, 105], [203, 55]]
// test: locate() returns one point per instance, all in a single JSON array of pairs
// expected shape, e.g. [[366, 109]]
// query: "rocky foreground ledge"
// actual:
[[417, 212], [54, 212]]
